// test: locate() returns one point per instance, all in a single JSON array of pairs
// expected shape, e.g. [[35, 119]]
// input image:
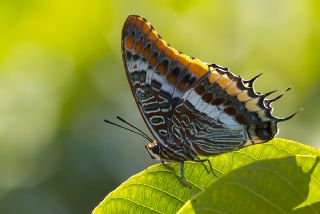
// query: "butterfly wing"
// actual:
[[192, 108], [221, 113], [156, 72]]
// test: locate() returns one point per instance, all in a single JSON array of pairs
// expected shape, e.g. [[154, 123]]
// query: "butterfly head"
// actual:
[[153, 150]]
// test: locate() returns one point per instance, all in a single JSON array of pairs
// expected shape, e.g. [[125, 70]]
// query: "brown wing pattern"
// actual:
[[192, 108], [157, 73], [223, 112]]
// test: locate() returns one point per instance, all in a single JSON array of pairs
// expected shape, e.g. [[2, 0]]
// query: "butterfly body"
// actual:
[[192, 108]]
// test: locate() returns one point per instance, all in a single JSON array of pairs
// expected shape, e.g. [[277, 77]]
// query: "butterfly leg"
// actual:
[[210, 165], [182, 175], [198, 160]]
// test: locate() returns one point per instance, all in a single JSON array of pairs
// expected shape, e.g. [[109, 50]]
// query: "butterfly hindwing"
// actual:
[[213, 119]]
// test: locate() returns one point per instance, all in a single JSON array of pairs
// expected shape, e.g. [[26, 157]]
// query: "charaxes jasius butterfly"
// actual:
[[191, 108]]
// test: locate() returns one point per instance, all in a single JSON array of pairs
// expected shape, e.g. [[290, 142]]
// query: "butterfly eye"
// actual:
[[153, 150], [156, 149]]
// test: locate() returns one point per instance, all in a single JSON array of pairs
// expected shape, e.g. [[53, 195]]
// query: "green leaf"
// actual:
[[159, 189], [284, 185]]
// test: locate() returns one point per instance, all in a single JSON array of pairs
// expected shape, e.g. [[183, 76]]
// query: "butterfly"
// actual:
[[192, 108]]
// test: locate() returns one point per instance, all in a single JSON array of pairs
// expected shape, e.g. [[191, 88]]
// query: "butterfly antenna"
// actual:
[[133, 131], [136, 128]]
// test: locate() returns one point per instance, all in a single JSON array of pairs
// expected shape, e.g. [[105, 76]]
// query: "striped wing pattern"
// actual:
[[192, 108]]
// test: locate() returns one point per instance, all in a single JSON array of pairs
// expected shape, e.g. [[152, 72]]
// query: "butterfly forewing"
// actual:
[[157, 76]]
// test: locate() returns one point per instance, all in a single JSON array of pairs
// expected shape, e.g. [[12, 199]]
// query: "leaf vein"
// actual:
[[286, 181], [127, 199], [167, 171], [257, 194], [152, 187]]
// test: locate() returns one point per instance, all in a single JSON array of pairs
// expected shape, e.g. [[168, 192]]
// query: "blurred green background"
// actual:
[[61, 74]]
